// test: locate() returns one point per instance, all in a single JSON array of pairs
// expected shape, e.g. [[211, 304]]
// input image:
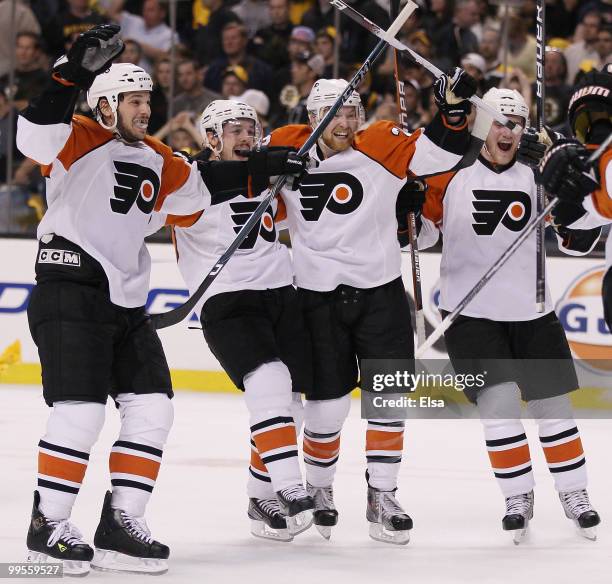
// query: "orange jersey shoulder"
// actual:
[[601, 197], [292, 136]]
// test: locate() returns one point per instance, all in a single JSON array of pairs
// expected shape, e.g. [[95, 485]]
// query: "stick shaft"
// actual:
[[540, 241]]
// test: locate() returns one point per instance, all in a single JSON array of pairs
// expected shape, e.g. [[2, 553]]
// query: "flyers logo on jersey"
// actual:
[[135, 184], [510, 208], [338, 192], [242, 211]]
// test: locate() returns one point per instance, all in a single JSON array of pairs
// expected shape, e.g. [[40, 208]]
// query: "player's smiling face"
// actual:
[[502, 143], [133, 115], [340, 133], [238, 136]]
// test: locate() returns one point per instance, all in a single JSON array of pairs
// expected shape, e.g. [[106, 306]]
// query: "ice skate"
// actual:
[[267, 521], [389, 523], [50, 540], [519, 511], [297, 506], [325, 513], [578, 508], [124, 544]]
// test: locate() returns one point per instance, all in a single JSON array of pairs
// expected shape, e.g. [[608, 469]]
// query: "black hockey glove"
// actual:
[[266, 163], [565, 172], [452, 91], [534, 145], [410, 199], [91, 53]]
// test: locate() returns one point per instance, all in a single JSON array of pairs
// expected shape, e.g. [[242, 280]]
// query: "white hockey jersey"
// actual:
[[261, 262], [481, 210], [101, 192], [599, 204], [342, 220]]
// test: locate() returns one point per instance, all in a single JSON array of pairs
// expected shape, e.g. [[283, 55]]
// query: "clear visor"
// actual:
[[351, 115], [243, 128]]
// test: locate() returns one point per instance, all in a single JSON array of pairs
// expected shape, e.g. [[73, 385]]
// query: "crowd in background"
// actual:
[[269, 53]]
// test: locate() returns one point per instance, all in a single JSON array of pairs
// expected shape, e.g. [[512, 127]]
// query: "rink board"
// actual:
[[575, 285]]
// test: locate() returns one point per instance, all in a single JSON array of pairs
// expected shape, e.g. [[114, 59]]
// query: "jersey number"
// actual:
[[135, 184], [510, 208]]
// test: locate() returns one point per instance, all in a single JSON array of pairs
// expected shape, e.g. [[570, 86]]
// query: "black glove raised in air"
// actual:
[[91, 53], [452, 91]]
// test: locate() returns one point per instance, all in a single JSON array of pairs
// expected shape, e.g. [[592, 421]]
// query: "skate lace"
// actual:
[[518, 504], [323, 497], [293, 493], [576, 501], [390, 505], [138, 527], [66, 531], [270, 506]]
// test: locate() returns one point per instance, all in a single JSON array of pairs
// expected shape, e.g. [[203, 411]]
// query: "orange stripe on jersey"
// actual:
[[175, 171], [61, 468], [509, 458], [433, 208], [183, 220], [136, 465], [277, 438], [601, 197], [377, 440], [86, 135], [293, 136], [322, 449], [387, 144], [256, 461], [281, 210], [563, 452]]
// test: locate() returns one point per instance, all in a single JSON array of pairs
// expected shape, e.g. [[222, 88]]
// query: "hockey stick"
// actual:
[[172, 317], [396, 44], [540, 242], [450, 318], [419, 315]]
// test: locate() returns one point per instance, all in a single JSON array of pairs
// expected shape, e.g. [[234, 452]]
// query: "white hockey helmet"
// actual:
[[119, 78], [324, 94], [508, 102], [222, 111]]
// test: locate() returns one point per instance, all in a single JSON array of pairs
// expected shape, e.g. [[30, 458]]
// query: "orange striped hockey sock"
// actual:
[[562, 447], [63, 455], [276, 444], [384, 447], [321, 453], [259, 485], [509, 455]]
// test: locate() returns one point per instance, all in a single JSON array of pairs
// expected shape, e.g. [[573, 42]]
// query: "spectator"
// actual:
[[585, 49], [234, 40], [259, 101], [556, 92], [132, 53], [180, 133], [254, 13], [305, 70], [30, 78], [475, 65], [270, 43], [162, 75], [521, 47], [455, 39], [235, 81], [25, 21], [65, 26], [324, 46], [439, 16], [149, 29], [414, 109], [604, 44], [489, 49], [192, 96], [301, 41], [207, 39]]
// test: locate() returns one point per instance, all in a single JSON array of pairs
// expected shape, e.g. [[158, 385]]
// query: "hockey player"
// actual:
[[585, 200], [86, 313], [480, 210], [347, 268], [252, 323]]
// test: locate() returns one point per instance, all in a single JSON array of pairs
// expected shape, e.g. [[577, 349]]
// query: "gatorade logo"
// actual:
[[241, 213], [338, 192], [510, 208], [580, 311], [135, 184]]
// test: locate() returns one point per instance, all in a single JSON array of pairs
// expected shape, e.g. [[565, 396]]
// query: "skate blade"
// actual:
[[589, 533], [111, 561], [518, 535], [260, 529], [379, 533], [70, 567], [324, 530], [299, 522]]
